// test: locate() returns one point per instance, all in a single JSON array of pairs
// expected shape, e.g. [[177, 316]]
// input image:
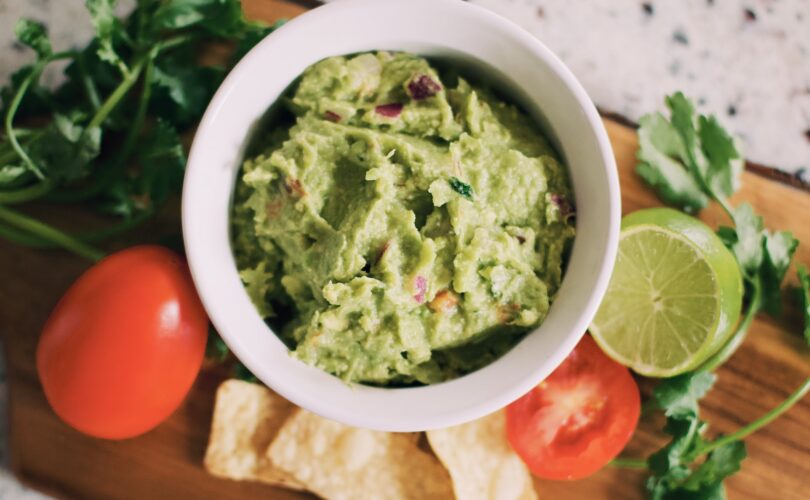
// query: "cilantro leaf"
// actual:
[[662, 160], [117, 199], [688, 159], [242, 372], [180, 14], [162, 161], [778, 252], [725, 163], [683, 120], [720, 463], [678, 396], [181, 92], [82, 144], [747, 239], [667, 463], [219, 17], [764, 257], [216, 349], [254, 33], [714, 491], [461, 188], [33, 34], [66, 147], [106, 25], [804, 291]]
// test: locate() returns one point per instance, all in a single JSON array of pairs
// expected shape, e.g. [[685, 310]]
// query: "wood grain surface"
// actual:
[[166, 463]]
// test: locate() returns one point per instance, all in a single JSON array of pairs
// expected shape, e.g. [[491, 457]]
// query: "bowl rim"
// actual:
[[383, 414]]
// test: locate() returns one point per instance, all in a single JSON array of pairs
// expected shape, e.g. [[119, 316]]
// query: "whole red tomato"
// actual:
[[578, 419], [123, 346]]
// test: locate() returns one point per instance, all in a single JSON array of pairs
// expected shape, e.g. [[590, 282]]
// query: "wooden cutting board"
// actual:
[[167, 462]]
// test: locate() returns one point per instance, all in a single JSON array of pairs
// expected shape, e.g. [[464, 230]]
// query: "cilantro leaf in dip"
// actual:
[[405, 228]]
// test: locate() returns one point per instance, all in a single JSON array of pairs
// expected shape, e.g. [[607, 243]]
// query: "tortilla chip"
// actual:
[[481, 462], [340, 462], [246, 419]]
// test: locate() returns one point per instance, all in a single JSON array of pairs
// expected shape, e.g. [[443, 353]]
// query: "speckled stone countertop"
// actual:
[[746, 60]]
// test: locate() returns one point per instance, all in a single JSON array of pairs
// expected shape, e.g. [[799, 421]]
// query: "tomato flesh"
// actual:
[[124, 344], [577, 419]]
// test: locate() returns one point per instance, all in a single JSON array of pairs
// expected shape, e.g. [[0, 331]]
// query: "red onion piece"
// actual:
[[564, 204], [420, 283], [389, 110], [422, 87]]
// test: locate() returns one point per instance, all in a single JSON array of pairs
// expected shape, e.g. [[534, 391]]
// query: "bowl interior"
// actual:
[[490, 49]]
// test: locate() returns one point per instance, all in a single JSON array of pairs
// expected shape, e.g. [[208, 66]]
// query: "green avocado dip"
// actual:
[[405, 228]]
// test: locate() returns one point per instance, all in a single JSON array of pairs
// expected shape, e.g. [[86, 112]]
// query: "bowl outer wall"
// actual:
[[439, 28]]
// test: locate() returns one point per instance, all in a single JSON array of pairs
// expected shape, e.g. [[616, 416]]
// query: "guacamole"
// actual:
[[405, 228]]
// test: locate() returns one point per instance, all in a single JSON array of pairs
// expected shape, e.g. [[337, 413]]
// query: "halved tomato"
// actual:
[[578, 419]]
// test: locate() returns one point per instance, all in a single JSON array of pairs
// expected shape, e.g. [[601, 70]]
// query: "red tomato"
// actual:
[[578, 419], [123, 346]]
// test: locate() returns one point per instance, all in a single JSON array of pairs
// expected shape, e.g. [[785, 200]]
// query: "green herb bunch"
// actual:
[[690, 160], [109, 136]]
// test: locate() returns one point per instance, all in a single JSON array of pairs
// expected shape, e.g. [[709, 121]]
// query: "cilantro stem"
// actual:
[[115, 97], [15, 235], [122, 67], [762, 421], [116, 229], [88, 84], [50, 233], [12, 110], [35, 241], [726, 207], [140, 115], [628, 463], [25, 194], [733, 343], [170, 43]]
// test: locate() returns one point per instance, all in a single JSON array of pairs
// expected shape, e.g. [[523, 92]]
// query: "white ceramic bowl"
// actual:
[[490, 46]]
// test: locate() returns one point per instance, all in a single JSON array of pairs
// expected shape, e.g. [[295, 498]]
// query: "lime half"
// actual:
[[674, 297]]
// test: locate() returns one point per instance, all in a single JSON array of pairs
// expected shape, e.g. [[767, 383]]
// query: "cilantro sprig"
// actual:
[[691, 161], [690, 466], [109, 136]]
